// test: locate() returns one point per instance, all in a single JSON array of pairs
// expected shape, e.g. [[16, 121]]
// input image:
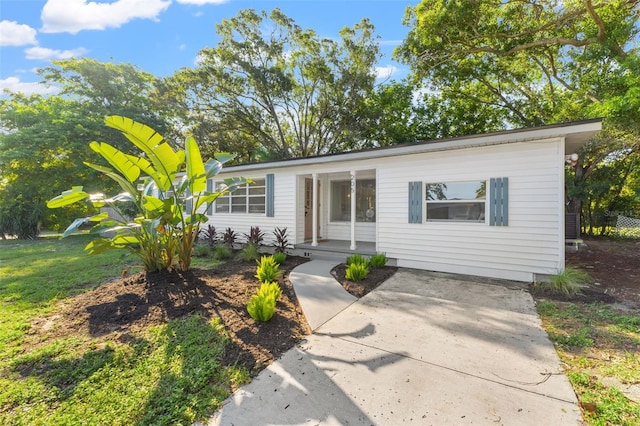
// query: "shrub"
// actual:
[[357, 259], [165, 228], [229, 237], [279, 257], [210, 236], [378, 260], [262, 305], [270, 289], [268, 270], [568, 282], [201, 251], [255, 236], [357, 272], [222, 252], [249, 252], [281, 242]]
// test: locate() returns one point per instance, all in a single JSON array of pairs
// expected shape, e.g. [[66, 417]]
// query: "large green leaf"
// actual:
[[196, 218], [81, 221], [208, 197], [195, 167], [155, 206], [123, 197], [98, 246], [108, 226], [118, 159], [223, 157], [71, 196], [124, 240], [124, 184], [212, 168], [165, 160]]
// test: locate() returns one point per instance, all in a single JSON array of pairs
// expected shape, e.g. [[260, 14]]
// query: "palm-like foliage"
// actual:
[[167, 189]]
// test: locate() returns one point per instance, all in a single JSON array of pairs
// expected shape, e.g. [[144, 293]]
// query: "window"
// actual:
[[245, 199], [456, 201], [365, 200]]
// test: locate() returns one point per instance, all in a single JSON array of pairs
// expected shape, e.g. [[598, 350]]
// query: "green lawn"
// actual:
[[168, 374], [600, 349]]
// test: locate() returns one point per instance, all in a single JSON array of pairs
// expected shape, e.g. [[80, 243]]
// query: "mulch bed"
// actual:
[[128, 305], [375, 277], [614, 266]]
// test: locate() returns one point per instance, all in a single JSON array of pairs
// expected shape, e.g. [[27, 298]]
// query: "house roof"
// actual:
[[576, 134]]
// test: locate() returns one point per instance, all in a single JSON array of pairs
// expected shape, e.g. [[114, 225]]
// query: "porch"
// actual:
[[333, 249]]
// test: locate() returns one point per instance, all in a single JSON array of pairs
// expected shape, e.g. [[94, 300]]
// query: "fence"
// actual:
[[627, 227]]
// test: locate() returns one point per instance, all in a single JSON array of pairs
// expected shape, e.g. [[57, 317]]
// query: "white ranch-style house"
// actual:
[[490, 205]]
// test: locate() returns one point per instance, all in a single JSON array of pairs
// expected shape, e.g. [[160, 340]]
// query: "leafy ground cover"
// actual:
[[597, 334]]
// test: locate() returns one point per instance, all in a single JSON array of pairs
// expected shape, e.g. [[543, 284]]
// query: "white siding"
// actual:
[[532, 243], [284, 209], [529, 245]]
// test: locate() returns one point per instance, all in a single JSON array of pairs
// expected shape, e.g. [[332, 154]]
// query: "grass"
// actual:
[[568, 282], [169, 374], [599, 347]]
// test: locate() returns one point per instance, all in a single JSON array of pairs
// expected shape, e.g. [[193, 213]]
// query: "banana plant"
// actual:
[[167, 188]]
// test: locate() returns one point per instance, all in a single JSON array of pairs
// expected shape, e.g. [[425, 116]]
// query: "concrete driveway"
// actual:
[[424, 348]]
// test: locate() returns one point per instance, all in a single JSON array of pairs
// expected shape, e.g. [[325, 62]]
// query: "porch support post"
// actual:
[[353, 210], [314, 212]]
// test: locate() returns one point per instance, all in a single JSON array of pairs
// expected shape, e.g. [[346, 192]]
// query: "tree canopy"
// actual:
[[44, 138], [271, 89], [527, 63]]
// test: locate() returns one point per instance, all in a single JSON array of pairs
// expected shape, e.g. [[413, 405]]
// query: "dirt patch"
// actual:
[[128, 305], [375, 277], [614, 266]]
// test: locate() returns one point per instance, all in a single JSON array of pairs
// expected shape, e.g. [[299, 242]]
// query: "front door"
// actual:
[[308, 208]]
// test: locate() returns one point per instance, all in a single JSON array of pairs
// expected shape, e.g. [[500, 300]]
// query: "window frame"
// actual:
[[484, 201], [248, 198], [348, 183]]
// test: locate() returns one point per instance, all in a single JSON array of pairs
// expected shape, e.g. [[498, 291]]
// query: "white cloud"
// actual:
[[201, 2], [14, 84], [46, 54], [72, 16], [386, 72], [14, 34]]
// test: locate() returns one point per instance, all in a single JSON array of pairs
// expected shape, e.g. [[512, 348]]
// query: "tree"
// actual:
[[390, 115], [44, 139], [38, 152], [535, 62], [273, 89]]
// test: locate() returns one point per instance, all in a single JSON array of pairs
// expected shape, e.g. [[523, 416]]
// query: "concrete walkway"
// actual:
[[320, 295], [421, 349]]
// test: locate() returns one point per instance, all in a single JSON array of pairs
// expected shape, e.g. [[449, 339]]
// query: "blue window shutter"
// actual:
[[415, 202], [269, 181], [209, 189], [499, 201], [189, 202]]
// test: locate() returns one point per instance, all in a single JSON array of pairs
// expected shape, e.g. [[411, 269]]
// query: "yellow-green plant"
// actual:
[[166, 187], [268, 270], [358, 259], [356, 272], [378, 260], [262, 305]]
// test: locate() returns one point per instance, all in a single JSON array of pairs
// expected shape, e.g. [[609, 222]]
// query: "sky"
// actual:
[[162, 36]]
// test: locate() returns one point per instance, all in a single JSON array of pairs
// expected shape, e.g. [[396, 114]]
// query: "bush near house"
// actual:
[[166, 226]]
